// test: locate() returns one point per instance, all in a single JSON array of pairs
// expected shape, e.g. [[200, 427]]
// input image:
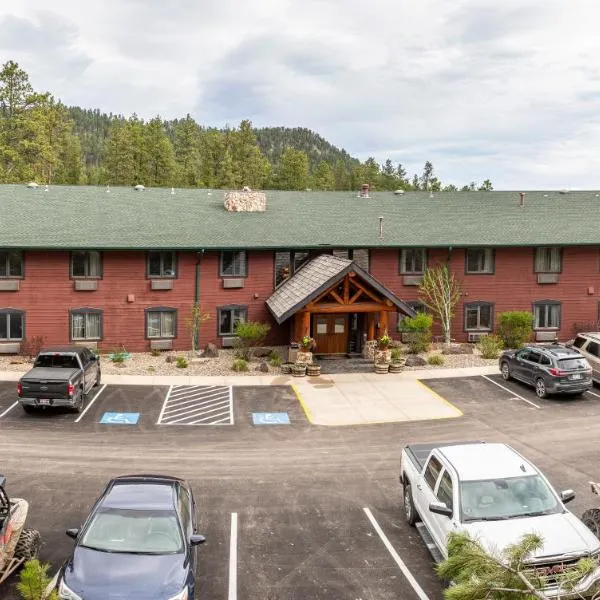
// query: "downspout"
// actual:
[[197, 292]]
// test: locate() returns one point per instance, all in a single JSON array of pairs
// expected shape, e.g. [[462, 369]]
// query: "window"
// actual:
[[233, 264], [86, 324], [594, 349], [478, 316], [432, 471], [546, 315], [229, 317], [11, 264], [161, 322], [479, 260], [444, 492], [162, 264], [11, 325], [86, 264], [359, 255], [412, 261], [545, 360], [548, 260], [579, 342], [287, 263]]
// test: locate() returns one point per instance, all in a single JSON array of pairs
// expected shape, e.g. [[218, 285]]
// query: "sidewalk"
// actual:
[[334, 400]]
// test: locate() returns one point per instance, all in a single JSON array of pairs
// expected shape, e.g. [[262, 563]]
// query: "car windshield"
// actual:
[[497, 499], [56, 361], [134, 531], [572, 364]]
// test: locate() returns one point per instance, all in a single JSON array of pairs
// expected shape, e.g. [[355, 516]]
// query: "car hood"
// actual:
[[98, 575], [562, 533]]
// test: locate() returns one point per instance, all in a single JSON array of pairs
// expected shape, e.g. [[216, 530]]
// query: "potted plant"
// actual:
[[313, 370], [298, 370], [384, 342], [381, 368], [286, 367], [397, 362], [307, 344]]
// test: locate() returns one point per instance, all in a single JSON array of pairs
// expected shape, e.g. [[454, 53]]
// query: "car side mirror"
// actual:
[[72, 533], [567, 496], [440, 508], [196, 539]]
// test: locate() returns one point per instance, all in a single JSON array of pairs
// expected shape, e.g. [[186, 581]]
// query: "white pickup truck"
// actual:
[[494, 494]]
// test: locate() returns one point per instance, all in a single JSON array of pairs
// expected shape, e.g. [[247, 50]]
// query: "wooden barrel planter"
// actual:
[[298, 370], [396, 367], [313, 370], [286, 367], [381, 368]]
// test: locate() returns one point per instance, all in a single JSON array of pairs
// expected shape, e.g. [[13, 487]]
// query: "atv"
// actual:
[[17, 544]]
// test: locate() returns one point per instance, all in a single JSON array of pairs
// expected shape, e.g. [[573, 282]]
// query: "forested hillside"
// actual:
[[45, 141]]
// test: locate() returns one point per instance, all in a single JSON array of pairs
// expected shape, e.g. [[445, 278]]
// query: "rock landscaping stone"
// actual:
[[458, 349], [263, 367], [415, 361], [170, 358], [369, 350], [304, 358], [210, 351], [262, 352]]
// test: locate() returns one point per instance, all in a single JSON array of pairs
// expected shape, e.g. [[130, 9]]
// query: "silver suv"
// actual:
[[589, 345], [551, 369]]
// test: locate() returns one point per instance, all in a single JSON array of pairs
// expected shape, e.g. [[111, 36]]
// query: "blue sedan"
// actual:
[[139, 542]]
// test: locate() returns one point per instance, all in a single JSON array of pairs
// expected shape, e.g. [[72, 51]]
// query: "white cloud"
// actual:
[[483, 89]]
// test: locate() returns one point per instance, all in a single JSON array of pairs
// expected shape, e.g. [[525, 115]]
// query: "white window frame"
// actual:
[[545, 307]]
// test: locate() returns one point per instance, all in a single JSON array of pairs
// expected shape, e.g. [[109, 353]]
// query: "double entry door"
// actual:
[[330, 332]]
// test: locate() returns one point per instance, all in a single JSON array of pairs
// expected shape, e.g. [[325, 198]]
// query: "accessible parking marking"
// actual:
[[197, 405]]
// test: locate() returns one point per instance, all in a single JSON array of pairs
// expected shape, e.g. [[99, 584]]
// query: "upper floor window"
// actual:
[[229, 317], [478, 316], [359, 255], [233, 264], [546, 315], [162, 264], [86, 324], [548, 260], [413, 261], [11, 324], [161, 322], [86, 264], [479, 260], [287, 262], [11, 263]]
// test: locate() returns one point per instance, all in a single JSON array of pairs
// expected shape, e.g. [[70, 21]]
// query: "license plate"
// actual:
[[44, 401], [576, 376]]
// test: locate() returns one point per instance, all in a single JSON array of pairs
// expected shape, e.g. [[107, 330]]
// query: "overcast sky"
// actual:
[[483, 88]]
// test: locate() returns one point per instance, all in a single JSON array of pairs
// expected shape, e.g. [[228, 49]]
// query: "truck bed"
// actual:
[[418, 453]]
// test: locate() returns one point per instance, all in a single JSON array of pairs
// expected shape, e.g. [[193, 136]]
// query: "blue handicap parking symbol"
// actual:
[[278, 418], [112, 418]]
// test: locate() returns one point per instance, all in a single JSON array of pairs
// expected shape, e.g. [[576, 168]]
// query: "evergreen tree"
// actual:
[[120, 156], [186, 147], [159, 167], [293, 172], [323, 178], [486, 186], [250, 167]]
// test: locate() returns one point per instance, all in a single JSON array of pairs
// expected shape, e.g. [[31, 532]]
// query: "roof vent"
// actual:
[[246, 188], [565, 191], [107, 190], [364, 191], [32, 185], [399, 192], [139, 188], [522, 201], [46, 188], [172, 191]]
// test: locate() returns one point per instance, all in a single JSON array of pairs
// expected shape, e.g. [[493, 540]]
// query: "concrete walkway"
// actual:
[[334, 400]]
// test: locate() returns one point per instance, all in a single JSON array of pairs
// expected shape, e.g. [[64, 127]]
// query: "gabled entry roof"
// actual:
[[316, 277]]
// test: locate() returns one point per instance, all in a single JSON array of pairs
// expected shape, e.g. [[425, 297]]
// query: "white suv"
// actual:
[[589, 345]]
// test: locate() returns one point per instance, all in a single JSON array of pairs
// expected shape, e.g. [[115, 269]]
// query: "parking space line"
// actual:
[[90, 404], [513, 394], [231, 405], [198, 405], [405, 571], [162, 410], [232, 595], [592, 393], [8, 409]]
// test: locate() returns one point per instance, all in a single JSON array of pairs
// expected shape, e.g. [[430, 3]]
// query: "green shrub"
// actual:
[[490, 346], [515, 328], [154, 352], [118, 357], [249, 335], [274, 354], [436, 360], [275, 361], [33, 581], [240, 365], [420, 322], [396, 354], [151, 369], [181, 363], [418, 332]]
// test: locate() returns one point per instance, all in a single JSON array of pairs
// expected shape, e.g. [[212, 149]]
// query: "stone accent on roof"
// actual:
[[245, 201]]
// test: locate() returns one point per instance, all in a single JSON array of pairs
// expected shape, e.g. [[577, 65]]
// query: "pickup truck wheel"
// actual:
[[591, 519], [79, 404], [540, 388], [505, 370], [30, 410], [409, 506], [98, 377]]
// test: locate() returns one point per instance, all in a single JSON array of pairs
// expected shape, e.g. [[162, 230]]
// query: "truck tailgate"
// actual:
[[46, 383]]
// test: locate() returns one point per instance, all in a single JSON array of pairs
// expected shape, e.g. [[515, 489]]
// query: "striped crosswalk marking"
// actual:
[[197, 405]]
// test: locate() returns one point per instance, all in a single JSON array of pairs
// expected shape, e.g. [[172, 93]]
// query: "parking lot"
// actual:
[[313, 512]]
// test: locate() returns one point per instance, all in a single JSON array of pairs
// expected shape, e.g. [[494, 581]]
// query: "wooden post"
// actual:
[[305, 324], [371, 326], [383, 322]]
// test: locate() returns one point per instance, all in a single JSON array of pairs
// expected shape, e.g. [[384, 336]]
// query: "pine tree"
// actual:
[[186, 146], [293, 172], [250, 167], [120, 156], [160, 161], [323, 178]]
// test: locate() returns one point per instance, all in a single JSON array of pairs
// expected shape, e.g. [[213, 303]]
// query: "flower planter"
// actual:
[[304, 358], [313, 370], [396, 367], [381, 368], [298, 370], [286, 367], [383, 356]]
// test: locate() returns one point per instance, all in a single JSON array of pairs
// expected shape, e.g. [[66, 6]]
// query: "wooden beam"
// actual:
[[305, 324], [358, 285], [370, 326], [346, 290], [335, 295], [383, 322], [355, 297], [366, 307]]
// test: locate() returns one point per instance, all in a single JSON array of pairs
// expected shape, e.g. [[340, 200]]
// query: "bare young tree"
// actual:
[[440, 292], [477, 574], [193, 323]]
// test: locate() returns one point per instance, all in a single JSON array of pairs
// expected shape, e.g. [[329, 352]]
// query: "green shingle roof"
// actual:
[[89, 217]]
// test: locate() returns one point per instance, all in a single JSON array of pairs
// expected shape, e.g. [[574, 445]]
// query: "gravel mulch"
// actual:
[[145, 364]]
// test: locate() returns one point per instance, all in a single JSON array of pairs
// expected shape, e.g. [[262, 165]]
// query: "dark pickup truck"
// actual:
[[61, 376]]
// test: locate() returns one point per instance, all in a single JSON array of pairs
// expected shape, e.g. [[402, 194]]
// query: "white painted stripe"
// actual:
[[231, 405], [190, 410], [593, 394], [185, 390], [232, 595], [199, 396], [187, 417], [212, 417], [162, 410], [409, 576], [8, 409], [192, 404], [90, 404], [511, 392]]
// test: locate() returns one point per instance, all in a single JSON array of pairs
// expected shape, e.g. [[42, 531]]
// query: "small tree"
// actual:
[[440, 293], [33, 581], [193, 323], [250, 335], [418, 329], [478, 574], [515, 328]]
